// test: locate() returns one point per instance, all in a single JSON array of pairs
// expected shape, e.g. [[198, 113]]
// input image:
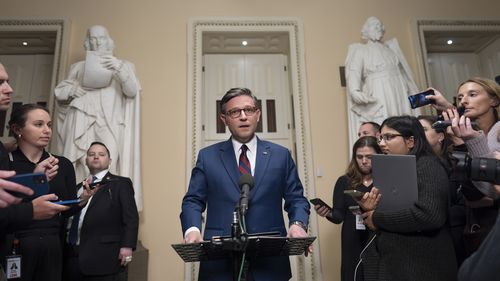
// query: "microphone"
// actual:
[[245, 183], [443, 124]]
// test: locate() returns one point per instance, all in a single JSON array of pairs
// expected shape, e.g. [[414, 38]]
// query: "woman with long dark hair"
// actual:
[[354, 235], [412, 243]]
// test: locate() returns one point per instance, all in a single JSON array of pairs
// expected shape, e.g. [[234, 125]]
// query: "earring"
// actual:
[[19, 136]]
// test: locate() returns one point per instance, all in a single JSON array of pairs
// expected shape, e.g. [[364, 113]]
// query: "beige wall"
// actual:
[[152, 34]]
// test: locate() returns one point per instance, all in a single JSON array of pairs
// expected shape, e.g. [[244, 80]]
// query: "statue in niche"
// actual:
[[99, 101], [378, 78]]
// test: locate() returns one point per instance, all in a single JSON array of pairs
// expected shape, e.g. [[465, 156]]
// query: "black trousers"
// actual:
[[2, 274], [72, 272], [41, 256]]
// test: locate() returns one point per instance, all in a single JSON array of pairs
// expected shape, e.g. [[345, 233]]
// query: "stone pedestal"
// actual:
[[138, 268]]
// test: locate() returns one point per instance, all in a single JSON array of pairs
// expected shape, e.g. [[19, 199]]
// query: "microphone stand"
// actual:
[[239, 241]]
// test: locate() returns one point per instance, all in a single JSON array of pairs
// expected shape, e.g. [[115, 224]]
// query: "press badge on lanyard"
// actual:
[[13, 263], [359, 223]]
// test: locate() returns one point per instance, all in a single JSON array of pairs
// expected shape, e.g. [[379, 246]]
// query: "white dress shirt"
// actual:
[[99, 176]]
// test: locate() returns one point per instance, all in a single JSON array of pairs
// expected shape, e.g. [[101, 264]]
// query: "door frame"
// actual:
[[420, 26], [307, 269], [61, 27]]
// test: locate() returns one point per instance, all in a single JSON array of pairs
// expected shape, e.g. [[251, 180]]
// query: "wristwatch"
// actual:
[[299, 223]]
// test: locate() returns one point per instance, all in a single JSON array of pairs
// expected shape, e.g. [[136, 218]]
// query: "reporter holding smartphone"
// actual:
[[354, 235], [480, 97], [40, 243], [13, 213]]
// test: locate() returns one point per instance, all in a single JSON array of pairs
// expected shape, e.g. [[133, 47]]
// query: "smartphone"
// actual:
[[94, 185], [354, 193], [67, 202], [36, 181], [318, 201], [355, 210], [419, 99]]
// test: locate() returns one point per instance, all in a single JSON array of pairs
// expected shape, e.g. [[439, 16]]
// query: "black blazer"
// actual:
[[111, 222]]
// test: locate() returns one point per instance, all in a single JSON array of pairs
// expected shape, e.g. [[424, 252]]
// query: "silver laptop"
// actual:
[[396, 178]]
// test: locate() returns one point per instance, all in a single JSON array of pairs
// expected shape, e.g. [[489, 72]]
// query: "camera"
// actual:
[[477, 169]]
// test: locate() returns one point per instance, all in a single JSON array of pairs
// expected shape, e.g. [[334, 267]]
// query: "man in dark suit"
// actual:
[[102, 237], [214, 182]]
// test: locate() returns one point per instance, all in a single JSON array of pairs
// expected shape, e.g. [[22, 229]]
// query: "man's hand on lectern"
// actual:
[[296, 231], [193, 237]]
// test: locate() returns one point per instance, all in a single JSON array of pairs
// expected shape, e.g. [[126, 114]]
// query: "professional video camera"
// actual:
[[478, 169]]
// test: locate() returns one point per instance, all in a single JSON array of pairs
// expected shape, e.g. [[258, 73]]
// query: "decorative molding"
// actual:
[[420, 26], [61, 27], [307, 268]]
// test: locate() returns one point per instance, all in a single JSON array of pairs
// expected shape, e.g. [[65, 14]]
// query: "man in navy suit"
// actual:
[[214, 182]]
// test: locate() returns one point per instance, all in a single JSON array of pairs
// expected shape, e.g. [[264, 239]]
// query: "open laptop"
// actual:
[[396, 178]]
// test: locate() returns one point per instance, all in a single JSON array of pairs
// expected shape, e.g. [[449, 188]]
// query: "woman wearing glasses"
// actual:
[[413, 243]]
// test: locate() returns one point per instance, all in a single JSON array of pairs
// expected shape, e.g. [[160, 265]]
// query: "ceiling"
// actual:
[[43, 42], [38, 42], [463, 41]]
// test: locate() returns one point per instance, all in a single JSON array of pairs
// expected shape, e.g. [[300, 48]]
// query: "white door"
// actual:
[[30, 77], [266, 76]]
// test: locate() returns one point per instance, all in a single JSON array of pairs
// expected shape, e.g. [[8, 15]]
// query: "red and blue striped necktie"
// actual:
[[244, 164]]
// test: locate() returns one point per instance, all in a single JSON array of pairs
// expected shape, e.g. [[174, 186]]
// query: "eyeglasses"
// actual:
[[235, 113], [388, 137]]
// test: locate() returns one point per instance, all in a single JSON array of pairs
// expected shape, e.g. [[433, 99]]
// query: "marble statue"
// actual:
[[379, 79], [100, 101]]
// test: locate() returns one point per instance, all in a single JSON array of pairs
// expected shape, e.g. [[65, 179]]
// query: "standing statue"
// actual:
[[99, 101], [378, 78]]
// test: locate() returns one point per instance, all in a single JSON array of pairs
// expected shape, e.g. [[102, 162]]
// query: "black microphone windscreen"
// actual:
[[246, 179]]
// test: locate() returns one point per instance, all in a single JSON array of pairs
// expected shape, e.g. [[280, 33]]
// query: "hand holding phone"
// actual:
[[354, 193], [67, 202], [36, 181], [355, 210], [318, 201], [419, 99]]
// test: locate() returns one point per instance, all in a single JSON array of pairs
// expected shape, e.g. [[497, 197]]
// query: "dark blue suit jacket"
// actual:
[[214, 186]]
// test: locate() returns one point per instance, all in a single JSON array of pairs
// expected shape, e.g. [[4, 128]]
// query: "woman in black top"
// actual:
[[412, 243], [40, 244], [444, 145], [358, 177]]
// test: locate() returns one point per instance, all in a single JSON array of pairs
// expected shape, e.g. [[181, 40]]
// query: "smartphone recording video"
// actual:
[[419, 99]]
